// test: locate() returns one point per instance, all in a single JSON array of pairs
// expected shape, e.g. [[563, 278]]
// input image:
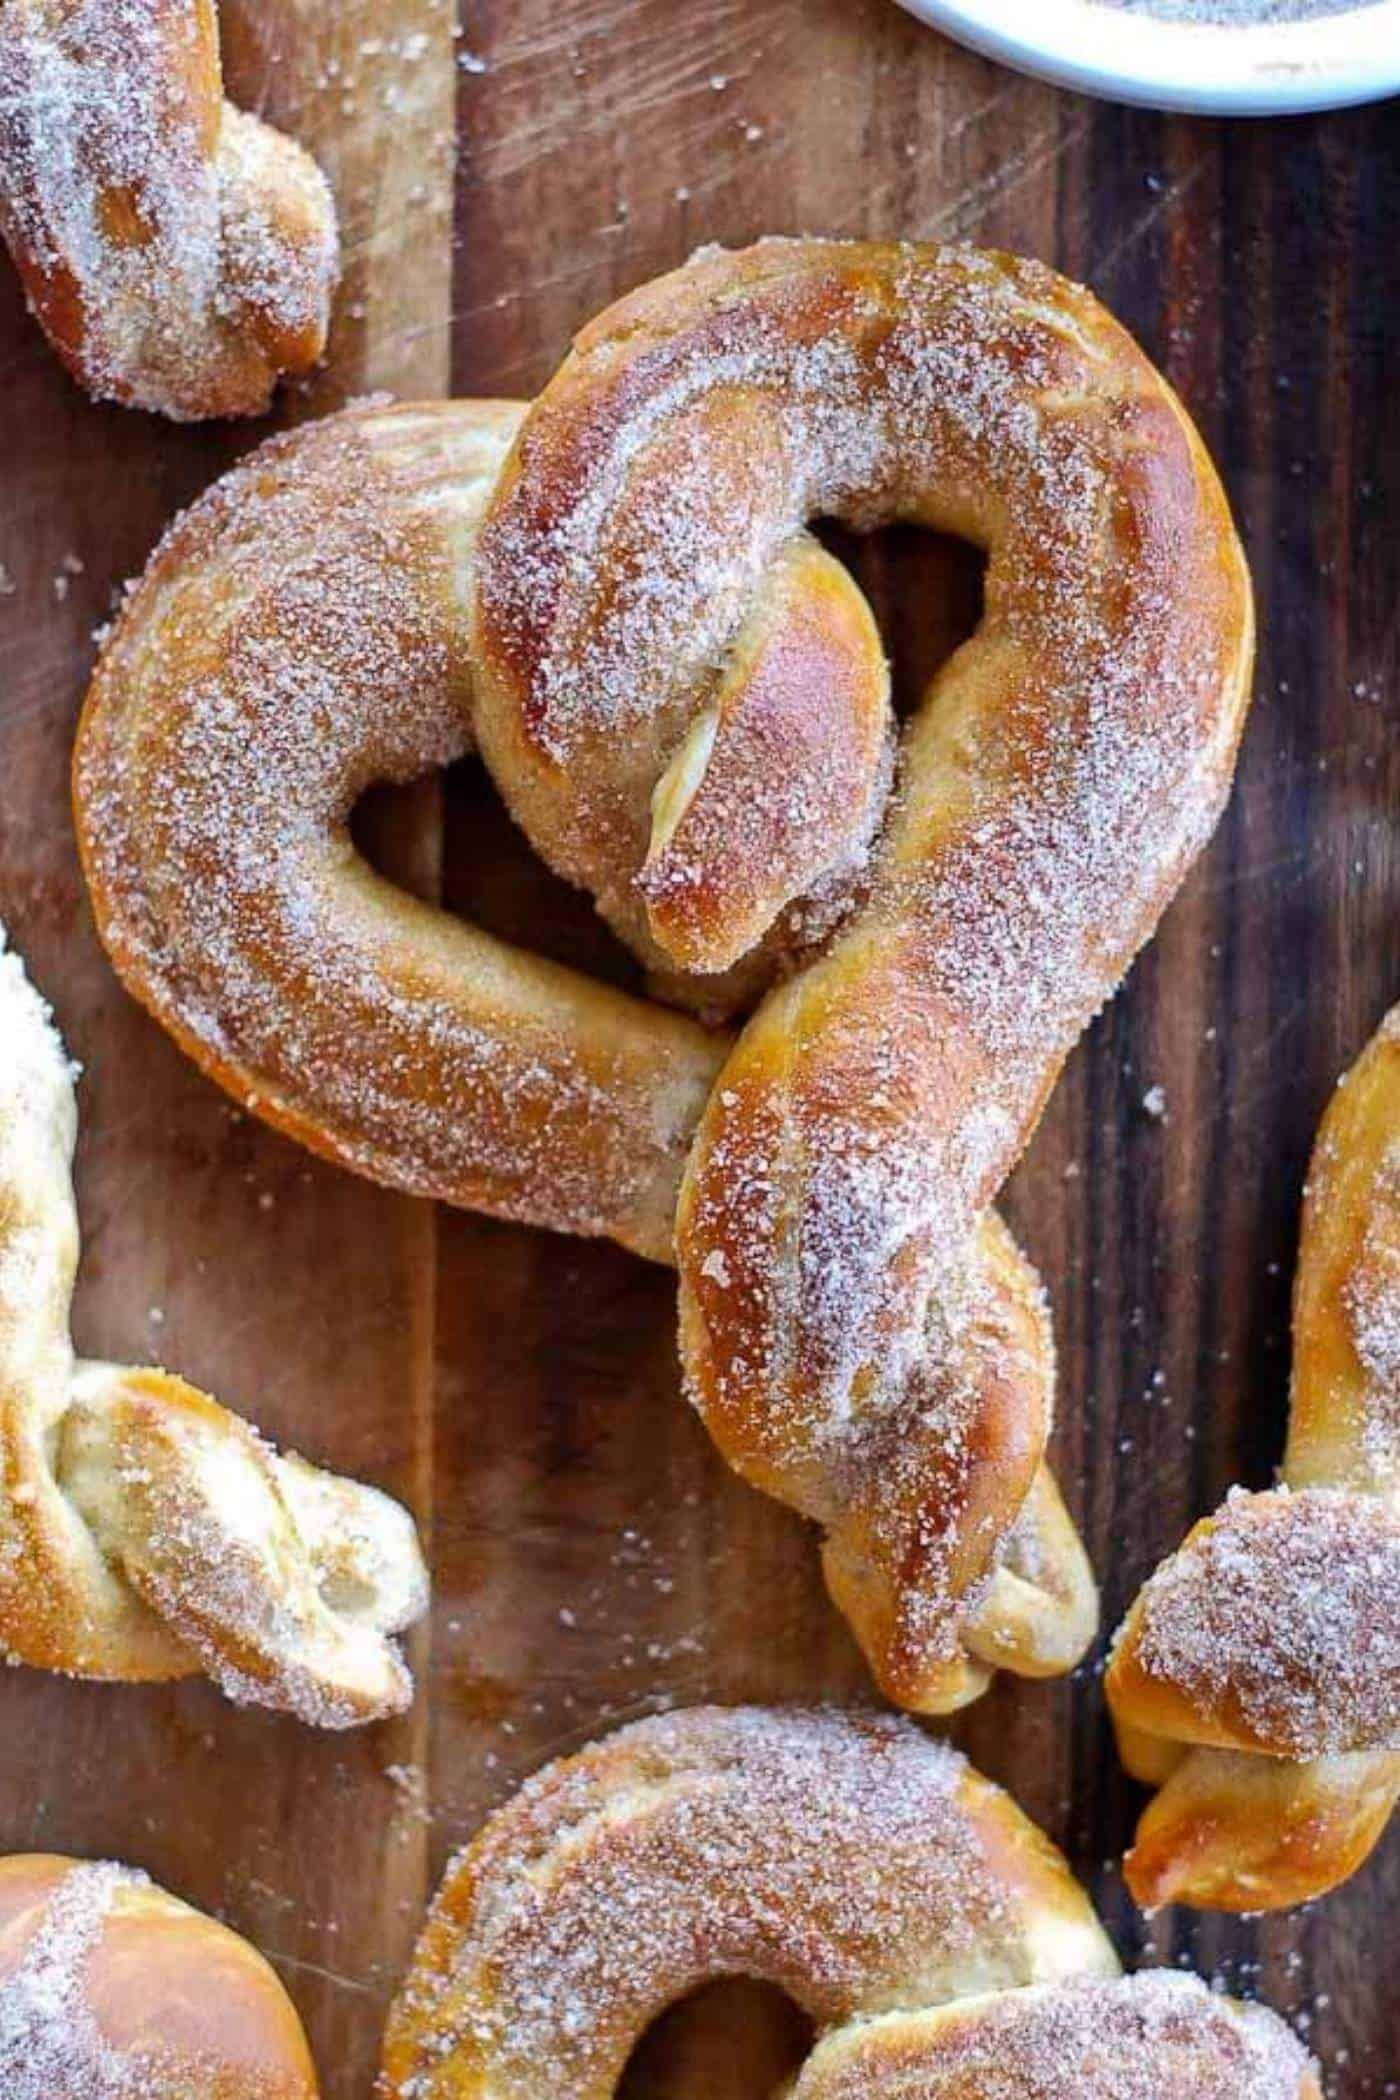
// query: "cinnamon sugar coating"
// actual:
[[1256, 1679], [683, 701], [112, 1990], [179, 253]]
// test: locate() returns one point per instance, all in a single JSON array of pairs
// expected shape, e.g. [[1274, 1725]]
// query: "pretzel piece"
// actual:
[[179, 253], [900, 1899], [1053, 787], [145, 1532], [110, 1987], [670, 682], [1256, 1679], [1157, 2033]]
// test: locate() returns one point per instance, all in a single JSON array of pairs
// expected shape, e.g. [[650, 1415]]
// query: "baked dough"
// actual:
[[112, 1990], [146, 1532], [180, 254], [669, 681], [1256, 1679], [900, 1899]]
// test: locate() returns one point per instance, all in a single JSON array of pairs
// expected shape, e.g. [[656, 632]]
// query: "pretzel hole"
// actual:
[[480, 866], [736, 2037], [926, 590]]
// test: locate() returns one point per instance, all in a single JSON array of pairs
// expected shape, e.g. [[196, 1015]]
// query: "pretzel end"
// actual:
[[1234, 1832], [775, 790]]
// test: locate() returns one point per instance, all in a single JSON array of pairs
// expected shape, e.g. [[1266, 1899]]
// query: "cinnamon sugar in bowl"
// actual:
[[1220, 57]]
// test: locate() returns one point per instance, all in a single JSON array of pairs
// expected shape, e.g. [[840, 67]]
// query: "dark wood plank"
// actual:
[[524, 1389]]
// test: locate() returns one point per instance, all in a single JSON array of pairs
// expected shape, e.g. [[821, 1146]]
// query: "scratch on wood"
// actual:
[[1163, 203], [1044, 150], [312, 1968]]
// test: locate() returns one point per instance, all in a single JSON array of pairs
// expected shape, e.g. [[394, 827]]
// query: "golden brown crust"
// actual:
[[683, 700], [1155, 2036], [847, 1858], [108, 1986], [180, 254], [1256, 1679], [145, 1532], [905, 1904], [1229, 1830]]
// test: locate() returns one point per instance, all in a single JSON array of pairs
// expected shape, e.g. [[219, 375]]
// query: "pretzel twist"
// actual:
[[179, 253], [112, 1990], [1256, 1680], [683, 700], [858, 1332], [900, 1899], [145, 1532]]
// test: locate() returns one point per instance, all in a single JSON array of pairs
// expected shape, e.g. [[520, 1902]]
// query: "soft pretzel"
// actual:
[[670, 681], [112, 1990], [179, 253], [867, 1870], [145, 1532], [1256, 1680], [1155, 2036]]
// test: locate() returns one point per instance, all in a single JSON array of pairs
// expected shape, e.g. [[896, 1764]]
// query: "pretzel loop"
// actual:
[[904, 1902]]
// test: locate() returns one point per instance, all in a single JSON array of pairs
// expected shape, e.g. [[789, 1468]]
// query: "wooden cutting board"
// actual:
[[593, 1560]]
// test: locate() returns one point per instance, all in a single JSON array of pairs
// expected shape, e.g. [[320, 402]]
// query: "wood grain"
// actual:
[[523, 1390]]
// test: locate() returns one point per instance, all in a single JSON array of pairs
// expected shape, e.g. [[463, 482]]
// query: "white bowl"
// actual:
[[1254, 69]]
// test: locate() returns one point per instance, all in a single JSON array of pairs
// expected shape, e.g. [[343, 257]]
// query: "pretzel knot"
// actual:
[[936, 1939], [682, 698], [1256, 1680], [145, 1532], [179, 253]]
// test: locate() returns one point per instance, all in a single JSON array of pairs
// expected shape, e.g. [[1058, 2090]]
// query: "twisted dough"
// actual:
[[903, 1901], [682, 698], [144, 1531], [179, 254], [112, 1990], [1256, 1680], [1155, 2036], [859, 1334]]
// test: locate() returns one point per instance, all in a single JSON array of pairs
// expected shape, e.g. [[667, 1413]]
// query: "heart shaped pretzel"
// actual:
[[683, 701], [179, 253]]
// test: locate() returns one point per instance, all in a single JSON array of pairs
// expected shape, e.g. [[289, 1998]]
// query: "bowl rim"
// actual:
[[1246, 69]]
